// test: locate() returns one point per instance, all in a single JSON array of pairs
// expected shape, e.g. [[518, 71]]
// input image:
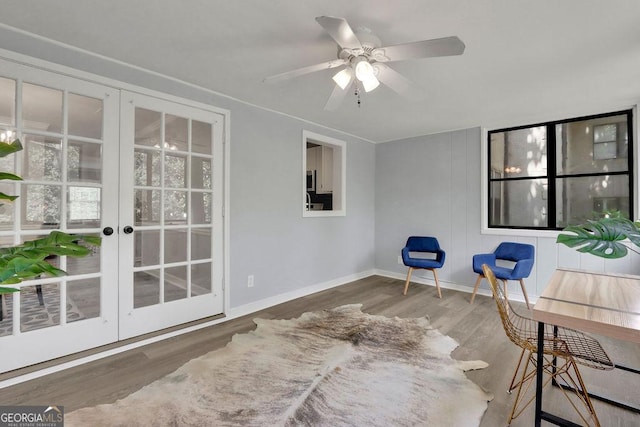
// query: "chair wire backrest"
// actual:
[[558, 341], [520, 330]]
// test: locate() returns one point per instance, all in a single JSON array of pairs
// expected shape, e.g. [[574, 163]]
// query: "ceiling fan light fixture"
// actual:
[[364, 70], [343, 78], [370, 83]]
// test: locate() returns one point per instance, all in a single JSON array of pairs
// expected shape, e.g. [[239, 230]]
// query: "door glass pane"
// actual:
[[201, 208], [200, 243], [84, 207], [175, 171], [146, 247], [146, 288], [42, 158], [201, 279], [148, 127], [175, 245], [7, 209], [41, 108], [201, 137], [84, 162], [147, 168], [7, 101], [85, 265], [175, 283], [83, 299], [200, 173], [39, 306], [147, 207], [41, 206], [176, 133], [175, 207], [85, 116]]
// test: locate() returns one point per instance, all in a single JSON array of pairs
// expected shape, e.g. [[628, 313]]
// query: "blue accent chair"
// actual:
[[411, 258], [521, 254]]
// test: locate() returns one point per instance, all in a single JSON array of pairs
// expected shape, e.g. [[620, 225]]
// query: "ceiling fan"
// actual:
[[365, 60]]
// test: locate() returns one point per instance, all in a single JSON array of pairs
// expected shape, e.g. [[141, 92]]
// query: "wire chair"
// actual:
[[564, 349]]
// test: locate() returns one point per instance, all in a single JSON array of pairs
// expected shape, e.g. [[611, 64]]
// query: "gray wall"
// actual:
[[431, 185]]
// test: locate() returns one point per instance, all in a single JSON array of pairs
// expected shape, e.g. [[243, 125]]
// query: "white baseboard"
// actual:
[[514, 296]]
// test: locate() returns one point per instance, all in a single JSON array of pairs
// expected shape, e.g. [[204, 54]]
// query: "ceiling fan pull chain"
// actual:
[[357, 94]]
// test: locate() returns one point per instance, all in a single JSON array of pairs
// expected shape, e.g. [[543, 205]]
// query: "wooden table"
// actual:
[[600, 303]]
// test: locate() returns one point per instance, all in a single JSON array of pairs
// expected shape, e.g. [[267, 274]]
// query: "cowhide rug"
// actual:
[[337, 367]]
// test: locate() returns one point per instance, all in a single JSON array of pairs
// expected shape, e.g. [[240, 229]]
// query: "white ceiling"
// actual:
[[525, 61]]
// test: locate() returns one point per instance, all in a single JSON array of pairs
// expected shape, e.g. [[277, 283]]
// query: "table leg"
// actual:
[[539, 374]]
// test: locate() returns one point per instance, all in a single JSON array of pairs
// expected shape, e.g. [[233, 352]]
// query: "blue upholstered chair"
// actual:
[[423, 253], [522, 257]]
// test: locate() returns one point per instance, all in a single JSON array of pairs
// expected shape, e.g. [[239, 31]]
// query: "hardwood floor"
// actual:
[[476, 328]]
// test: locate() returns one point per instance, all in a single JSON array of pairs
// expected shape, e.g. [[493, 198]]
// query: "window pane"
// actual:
[[84, 162], [41, 206], [200, 173], [146, 288], [521, 203], [592, 146], [147, 168], [84, 207], [148, 127], [41, 108], [201, 279], [7, 101], [83, 299], [581, 198], [176, 133], [519, 153], [201, 139], [175, 171], [147, 247], [175, 207], [85, 116], [42, 158], [147, 207], [175, 245], [200, 243], [175, 283]]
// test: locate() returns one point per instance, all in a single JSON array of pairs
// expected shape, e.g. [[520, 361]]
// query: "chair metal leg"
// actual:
[[406, 285], [475, 288], [524, 292], [435, 276]]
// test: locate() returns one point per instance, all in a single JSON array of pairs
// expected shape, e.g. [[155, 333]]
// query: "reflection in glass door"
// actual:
[[68, 129], [171, 260]]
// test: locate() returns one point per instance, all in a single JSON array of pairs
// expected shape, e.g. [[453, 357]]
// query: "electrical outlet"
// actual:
[[399, 259], [250, 281]]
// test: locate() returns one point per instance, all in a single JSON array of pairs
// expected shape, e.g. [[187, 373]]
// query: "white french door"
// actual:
[[170, 214], [143, 173], [69, 131]]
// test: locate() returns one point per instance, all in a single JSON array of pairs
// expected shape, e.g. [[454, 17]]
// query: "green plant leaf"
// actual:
[[4, 196], [7, 148], [7, 175], [602, 237], [5, 290]]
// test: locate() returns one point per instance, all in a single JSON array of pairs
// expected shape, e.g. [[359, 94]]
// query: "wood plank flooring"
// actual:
[[476, 328]]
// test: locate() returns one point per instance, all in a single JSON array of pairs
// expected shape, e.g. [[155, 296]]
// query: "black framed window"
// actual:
[[554, 174]]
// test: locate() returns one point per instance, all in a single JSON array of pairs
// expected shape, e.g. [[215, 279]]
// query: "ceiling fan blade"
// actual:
[[305, 70], [340, 30], [446, 46], [337, 96], [398, 83]]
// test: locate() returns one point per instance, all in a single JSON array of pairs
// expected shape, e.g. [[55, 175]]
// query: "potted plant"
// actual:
[[609, 237], [28, 260]]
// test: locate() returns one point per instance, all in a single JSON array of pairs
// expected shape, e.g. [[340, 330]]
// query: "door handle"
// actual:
[[107, 231], [128, 229]]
